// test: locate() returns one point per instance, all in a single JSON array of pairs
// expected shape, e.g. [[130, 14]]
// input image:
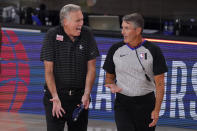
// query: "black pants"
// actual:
[[69, 103], [134, 113]]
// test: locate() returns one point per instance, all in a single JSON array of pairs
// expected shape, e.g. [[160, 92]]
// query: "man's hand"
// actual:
[[155, 117], [85, 100], [57, 107], [113, 87]]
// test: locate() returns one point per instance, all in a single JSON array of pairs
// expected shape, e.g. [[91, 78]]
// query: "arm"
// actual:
[[159, 82], [49, 77], [109, 80], [90, 77]]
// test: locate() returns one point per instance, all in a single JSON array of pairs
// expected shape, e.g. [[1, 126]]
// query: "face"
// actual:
[[73, 23], [129, 32]]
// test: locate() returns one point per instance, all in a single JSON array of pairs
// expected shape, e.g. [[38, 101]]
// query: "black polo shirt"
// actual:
[[70, 58]]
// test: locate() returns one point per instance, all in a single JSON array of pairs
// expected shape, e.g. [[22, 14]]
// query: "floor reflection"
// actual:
[[29, 122]]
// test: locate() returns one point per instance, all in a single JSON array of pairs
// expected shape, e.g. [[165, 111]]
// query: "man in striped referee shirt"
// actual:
[[134, 69]]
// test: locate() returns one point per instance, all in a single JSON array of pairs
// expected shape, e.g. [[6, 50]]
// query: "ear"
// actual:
[[65, 21], [139, 30]]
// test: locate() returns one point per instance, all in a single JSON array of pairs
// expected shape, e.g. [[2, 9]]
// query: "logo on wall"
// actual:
[[15, 73]]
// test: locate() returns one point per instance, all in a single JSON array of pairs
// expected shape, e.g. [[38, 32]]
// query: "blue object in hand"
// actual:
[[77, 112]]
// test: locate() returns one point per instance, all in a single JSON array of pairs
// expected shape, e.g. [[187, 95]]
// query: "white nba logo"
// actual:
[[80, 47], [141, 55]]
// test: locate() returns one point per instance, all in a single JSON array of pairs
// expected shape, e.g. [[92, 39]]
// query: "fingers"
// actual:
[[86, 104], [155, 118], [60, 113], [53, 112], [57, 114], [113, 87], [85, 101], [62, 110], [108, 85], [57, 110], [52, 99], [153, 123], [116, 89], [119, 89]]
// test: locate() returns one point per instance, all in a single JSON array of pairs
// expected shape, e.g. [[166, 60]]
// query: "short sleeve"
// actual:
[[159, 62], [93, 51], [109, 65], [47, 50]]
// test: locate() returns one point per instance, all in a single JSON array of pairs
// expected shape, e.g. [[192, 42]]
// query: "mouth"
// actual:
[[78, 29], [125, 37]]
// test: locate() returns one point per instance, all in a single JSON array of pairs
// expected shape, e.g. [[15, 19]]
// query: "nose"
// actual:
[[81, 23], [122, 32]]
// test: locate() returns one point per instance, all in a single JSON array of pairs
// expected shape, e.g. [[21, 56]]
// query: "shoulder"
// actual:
[[86, 29], [153, 48], [53, 31], [117, 45], [150, 45]]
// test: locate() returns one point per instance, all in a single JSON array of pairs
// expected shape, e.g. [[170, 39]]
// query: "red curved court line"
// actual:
[[7, 53], [8, 71], [12, 36], [4, 38], [6, 95], [20, 97], [23, 72], [13, 98], [20, 52]]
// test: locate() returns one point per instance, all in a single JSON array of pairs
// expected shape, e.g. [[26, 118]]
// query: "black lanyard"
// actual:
[[147, 77]]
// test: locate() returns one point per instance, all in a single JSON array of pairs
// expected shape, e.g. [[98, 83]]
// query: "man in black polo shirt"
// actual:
[[138, 66], [69, 53]]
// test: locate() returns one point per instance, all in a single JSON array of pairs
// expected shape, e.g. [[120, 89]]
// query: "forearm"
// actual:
[[109, 78], [159, 81], [159, 98], [90, 77], [49, 77]]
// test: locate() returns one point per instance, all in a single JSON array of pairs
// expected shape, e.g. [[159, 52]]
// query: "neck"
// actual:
[[70, 36], [136, 42]]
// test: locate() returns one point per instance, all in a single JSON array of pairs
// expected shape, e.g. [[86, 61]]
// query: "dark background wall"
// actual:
[[150, 8], [156, 12]]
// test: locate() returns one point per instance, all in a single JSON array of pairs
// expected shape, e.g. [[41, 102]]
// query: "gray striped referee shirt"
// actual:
[[123, 61]]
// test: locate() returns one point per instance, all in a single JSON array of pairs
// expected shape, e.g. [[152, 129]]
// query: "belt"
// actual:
[[71, 92], [136, 98]]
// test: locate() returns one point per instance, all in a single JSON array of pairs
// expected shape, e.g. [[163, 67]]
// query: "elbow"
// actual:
[[48, 73]]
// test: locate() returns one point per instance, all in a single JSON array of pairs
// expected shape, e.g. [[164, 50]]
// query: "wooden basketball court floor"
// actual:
[[28, 122]]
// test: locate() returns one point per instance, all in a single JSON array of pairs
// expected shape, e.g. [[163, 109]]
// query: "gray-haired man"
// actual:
[[69, 53]]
